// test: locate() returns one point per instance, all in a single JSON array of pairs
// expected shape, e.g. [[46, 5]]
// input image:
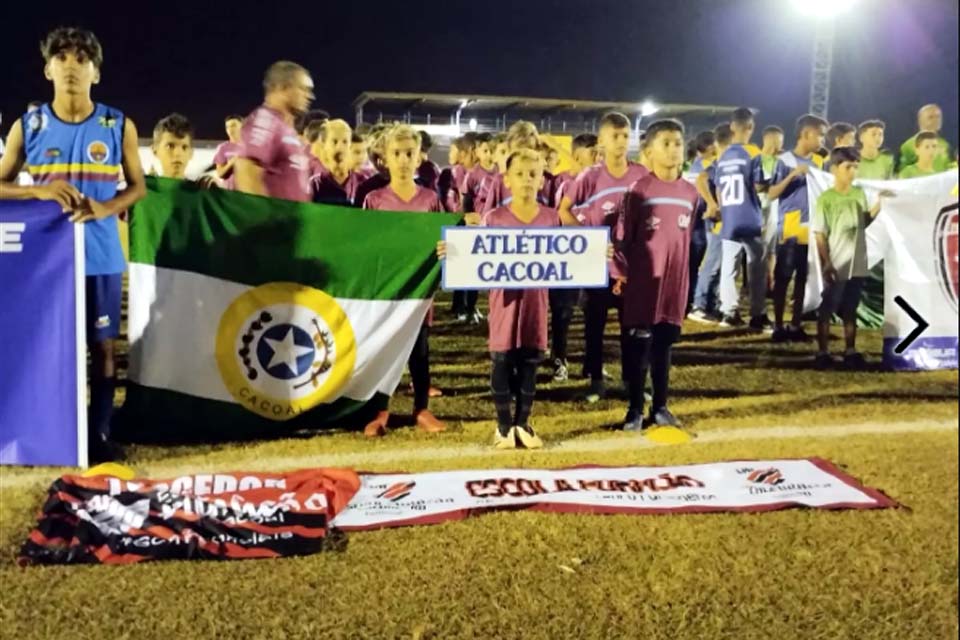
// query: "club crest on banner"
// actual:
[[945, 244], [283, 348]]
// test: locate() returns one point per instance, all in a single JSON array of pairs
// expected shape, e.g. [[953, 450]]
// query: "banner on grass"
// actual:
[[209, 516], [915, 236], [251, 316], [43, 356], [525, 257], [394, 500]]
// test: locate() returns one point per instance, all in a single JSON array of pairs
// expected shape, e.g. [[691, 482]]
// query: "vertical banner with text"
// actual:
[[42, 336]]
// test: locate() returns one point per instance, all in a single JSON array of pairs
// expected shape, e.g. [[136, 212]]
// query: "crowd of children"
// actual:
[[683, 228]]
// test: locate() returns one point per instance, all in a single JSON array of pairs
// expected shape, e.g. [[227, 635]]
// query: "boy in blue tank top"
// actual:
[[75, 149]]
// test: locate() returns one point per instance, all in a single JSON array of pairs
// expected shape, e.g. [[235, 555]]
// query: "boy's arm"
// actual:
[[823, 248], [777, 189], [61, 191], [136, 189], [703, 188], [224, 170], [566, 213]]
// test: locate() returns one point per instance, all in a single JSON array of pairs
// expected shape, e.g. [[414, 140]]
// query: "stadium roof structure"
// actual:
[[451, 107]]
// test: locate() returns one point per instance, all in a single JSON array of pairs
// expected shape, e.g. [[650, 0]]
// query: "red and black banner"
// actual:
[[206, 516]]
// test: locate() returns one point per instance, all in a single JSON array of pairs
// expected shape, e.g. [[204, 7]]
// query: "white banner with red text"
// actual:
[[404, 499]]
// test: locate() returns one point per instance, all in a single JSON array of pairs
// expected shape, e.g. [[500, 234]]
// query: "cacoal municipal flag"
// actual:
[[251, 316]]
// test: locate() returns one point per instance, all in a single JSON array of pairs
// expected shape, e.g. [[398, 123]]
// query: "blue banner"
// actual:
[[42, 338]]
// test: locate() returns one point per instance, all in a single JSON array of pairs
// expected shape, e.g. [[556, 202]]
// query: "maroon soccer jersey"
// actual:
[[475, 186], [428, 173], [448, 187], [386, 199], [518, 317], [499, 195], [596, 195], [327, 190], [225, 152], [268, 140], [658, 221], [368, 186]]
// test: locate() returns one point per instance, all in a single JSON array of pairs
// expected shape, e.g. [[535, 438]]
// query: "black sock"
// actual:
[[101, 407], [664, 335], [500, 387]]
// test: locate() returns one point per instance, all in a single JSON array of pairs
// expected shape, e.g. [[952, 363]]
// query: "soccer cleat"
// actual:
[[634, 421], [505, 441], [699, 315], [734, 321], [597, 392], [560, 373], [428, 422], [824, 361], [854, 360], [761, 324], [606, 374], [663, 418], [377, 428], [476, 317], [462, 318], [797, 334], [779, 336], [528, 438]]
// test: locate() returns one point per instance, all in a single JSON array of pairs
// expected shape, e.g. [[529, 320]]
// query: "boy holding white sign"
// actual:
[[518, 317], [658, 213]]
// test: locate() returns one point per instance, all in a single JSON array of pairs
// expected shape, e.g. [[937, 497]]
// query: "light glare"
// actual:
[[648, 108], [822, 8]]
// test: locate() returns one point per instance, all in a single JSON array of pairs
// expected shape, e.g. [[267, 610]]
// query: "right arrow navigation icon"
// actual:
[[916, 317]]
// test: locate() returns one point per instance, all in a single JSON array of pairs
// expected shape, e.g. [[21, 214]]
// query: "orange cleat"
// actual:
[[377, 428], [428, 422]]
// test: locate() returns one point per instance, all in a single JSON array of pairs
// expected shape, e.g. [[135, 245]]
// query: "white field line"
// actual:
[[618, 443]]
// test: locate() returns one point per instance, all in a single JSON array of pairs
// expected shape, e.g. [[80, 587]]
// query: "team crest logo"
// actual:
[[766, 476], [683, 221], [283, 348], [397, 492], [107, 122], [945, 243], [98, 152], [37, 121], [653, 223]]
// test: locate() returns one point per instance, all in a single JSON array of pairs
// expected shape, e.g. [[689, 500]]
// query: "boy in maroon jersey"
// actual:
[[658, 213], [592, 200], [402, 156]]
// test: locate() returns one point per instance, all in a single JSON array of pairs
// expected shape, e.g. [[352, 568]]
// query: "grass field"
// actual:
[[888, 574]]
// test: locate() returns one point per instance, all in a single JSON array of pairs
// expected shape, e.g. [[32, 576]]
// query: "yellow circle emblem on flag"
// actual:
[[284, 348]]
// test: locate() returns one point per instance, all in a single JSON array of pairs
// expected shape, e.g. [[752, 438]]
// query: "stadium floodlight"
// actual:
[[648, 108], [824, 9], [473, 124], [824, 12]]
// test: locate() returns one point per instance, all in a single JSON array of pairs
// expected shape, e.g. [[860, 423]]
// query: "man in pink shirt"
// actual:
[[593, 200], [273, 161], [226, 152]]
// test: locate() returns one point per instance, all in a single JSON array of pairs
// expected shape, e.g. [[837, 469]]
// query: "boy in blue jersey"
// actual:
[[708, 279], [739, 179], [705, 147], [74, 150], [789, 185]]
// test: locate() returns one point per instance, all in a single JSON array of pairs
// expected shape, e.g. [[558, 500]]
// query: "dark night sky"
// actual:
[[891, 56]]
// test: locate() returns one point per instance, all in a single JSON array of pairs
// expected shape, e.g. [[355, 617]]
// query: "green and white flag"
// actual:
[[251, 316]]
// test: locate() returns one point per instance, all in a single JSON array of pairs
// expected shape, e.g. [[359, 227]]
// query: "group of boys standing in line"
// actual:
[[675, 235]]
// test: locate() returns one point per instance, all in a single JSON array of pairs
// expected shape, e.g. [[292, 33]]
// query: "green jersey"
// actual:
[[842, 218], [879, 168], [914, 171], [908, 154]]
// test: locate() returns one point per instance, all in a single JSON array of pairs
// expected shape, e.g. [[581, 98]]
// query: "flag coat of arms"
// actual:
[[251, 316]]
